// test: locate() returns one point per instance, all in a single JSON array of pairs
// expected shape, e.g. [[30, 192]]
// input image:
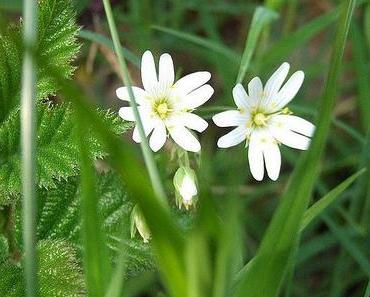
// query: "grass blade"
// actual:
[[28, 140], [261, 17], [264, 276], [325, 201], [101, 39], [286, 45], [211, 45], [148, 154], [96, 262], [350, 245]]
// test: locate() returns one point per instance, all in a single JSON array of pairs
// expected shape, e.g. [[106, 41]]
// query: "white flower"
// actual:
[[185, 185], [262, 121], [167, 106]]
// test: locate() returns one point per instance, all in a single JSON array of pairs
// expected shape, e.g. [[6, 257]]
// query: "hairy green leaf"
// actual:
[[59, 218], [59, 273], [57, 151], [56, 41]]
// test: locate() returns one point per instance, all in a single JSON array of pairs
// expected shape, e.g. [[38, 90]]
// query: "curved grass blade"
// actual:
[[147, 152], [101, 39], [96, 261], [317, 208], [264, 275], [285, 46], [211, 45], [261, 17]]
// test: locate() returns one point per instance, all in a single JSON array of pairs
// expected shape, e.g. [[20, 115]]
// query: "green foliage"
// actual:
[[59, 218], [56, 41], [59, 273], [57, 150]]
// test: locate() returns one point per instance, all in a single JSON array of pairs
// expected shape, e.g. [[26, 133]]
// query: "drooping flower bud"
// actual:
[[186, 188], [138, 224]]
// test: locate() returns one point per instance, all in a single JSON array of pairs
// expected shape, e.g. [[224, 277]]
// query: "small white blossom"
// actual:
[[262, 121], [167, 106], [185, 185]]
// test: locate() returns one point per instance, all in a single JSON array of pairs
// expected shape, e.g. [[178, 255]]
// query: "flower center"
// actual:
[[162, 108], [260, 119]]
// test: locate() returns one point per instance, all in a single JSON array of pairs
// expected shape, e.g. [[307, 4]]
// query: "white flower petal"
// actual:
[[273, 86], [148, 125], [255, 90], [289, 90], [290, 138], [184, 138], [194, 122], [158, 137], [122, 93], [272, 156], [126, 113], [148, 71], [230, 118], [197, 98], [255, 156], [192, 81], [166, 70], [294, 123], [241, 97], [232, 138]]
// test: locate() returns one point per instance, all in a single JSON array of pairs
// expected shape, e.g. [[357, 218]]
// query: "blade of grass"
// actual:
[[264, 276], [101, 39], [28, 143], [148, 155], [317, 208], [211, 45], [367, 292], [261, 17], [96, 261], [350, 245], [284, 47], [360, 54]]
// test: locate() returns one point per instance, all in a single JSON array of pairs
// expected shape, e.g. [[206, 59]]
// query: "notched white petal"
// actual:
[[158, 137], [122, 93], [185, 139], [255, 157], [197, 97], [192, 81], [148, 71], [194, 122], [289, 90], [272, 157], [241, 97], [166, 70], [232, 138], [230, 118], [276, 80]]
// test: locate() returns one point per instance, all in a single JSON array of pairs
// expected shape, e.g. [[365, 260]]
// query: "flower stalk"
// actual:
[[28, 143], [148, 155]]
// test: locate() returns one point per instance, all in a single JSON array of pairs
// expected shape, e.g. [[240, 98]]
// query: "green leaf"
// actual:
[[261, 17], [264, 275], [57, 152], [317, 208], [59, 218], [59, 273], [56, 41]]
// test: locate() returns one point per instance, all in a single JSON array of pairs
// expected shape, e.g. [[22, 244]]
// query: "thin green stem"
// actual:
[[28, 140], [148, 155]]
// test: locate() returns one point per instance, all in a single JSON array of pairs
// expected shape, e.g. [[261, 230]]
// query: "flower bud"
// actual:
[[186, 188], [138, 224]]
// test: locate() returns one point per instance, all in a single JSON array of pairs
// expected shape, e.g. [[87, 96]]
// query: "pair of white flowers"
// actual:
[[260, 120]]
